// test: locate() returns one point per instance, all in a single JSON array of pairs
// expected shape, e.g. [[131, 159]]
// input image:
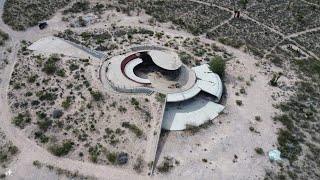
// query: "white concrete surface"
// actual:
[[130, 74], [115, 75], [184, 95], [166, 60], [208, 81], [192, 112], [51, 44]]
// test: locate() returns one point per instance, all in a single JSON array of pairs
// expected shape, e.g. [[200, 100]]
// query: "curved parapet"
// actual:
[[196, 112], [128, 70], [131, 61], [185, 95]]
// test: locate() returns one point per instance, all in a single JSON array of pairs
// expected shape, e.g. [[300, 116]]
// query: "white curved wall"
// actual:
[[129, 71]]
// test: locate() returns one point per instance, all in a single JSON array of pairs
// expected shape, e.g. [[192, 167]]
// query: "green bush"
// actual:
[[161, 97], [289, 145], [97, 95], [94, 153], [133, 128], [259, 150], [217, 65], [139, 164], [61, 149], [46, 96], [112, 157], [44, 124], [21, 120], [78, 7], [166, 166], [185, 58], [50, 66], [67, 103], [73, 67]]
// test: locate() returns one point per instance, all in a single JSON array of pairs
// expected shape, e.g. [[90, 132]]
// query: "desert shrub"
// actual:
[[239, 102], [22, 119], [13, 149], [94, 153], [37, 163], [40, 135], [199, 51], [139, 164], [285, 120], [166, 166], [161, 97], [46, 96], [217, 65], [97, 95], [73, 67], [32, 79], [20, 14], [134, 102], [50, 66], [78, 7], [133, 128], [259, 150], [67, 103], [28, 94], [44, 124], [3, 37], [112, 157], [122, 109], [61, 149], [185, 58], [289, 145], [61, 73], [257, 118], [122, 158], [57, 114]]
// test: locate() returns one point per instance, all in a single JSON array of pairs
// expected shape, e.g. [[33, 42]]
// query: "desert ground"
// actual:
[[65, 123]]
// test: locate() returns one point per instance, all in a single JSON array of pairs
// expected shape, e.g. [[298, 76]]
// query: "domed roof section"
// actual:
[[165, 59]]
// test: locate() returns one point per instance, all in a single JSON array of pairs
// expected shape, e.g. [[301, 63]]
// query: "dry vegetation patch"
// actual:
[[21, 14], [58, 104]]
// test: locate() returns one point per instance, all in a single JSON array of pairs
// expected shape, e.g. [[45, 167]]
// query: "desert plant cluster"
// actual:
[[8, 151], [59, 105], [21, 14]]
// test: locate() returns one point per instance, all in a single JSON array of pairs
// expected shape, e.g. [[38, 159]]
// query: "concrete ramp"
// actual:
[[51, 44], [193, 112]]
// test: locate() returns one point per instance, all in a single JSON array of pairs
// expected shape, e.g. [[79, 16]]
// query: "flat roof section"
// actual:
[[51, 44], [166, 60]]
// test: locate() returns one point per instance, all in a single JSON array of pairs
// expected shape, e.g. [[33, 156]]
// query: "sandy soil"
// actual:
[[229, 136]]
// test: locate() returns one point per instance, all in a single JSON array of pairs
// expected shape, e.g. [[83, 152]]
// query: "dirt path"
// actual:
[[268, 27], [303, 32], [30, 151]]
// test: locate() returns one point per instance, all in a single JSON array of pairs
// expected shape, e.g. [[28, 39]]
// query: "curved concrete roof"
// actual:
[[208, 81], [166, 60], [130, 74], [185, 95], [195, 112]]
